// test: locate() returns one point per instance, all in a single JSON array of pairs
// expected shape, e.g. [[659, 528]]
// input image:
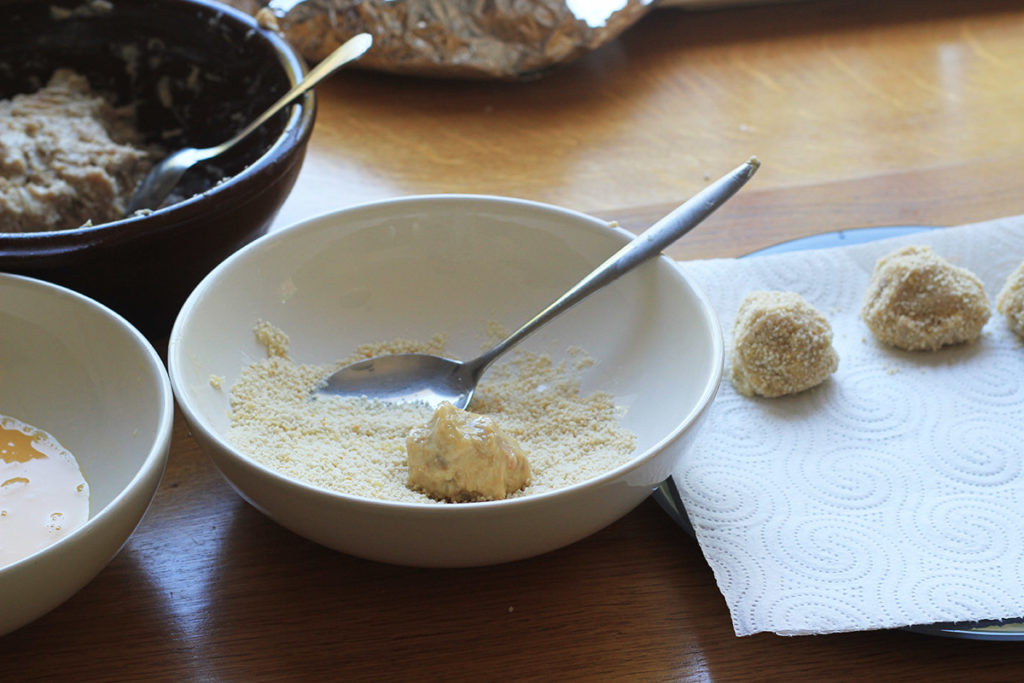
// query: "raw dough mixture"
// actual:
[[461, 456], [67, 157]]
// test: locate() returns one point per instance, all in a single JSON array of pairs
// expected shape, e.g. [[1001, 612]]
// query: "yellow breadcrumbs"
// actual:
[[357, 447]]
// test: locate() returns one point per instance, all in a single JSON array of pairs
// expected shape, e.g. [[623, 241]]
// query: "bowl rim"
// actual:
[[156, 455], [297, 129], [198, 422]]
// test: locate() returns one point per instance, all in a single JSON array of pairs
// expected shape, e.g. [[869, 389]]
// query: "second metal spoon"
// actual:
[[164, 175]]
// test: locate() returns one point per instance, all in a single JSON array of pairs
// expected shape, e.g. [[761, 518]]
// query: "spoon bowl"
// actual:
[[403, 378], [165, 174]]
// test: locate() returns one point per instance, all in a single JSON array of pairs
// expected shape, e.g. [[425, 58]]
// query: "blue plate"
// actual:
[[840, 238], [667, 495]]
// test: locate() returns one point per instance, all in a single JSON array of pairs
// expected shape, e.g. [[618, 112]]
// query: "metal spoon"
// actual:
[[164, 176], [431, 379]]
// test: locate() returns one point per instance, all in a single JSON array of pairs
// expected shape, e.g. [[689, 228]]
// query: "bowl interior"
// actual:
[[415, 267], [195, 71], [74, 370]]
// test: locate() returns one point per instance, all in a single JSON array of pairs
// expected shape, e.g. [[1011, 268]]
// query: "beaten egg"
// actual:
[[43, 495]]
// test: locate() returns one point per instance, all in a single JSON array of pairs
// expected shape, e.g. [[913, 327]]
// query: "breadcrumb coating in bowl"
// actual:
[[781, 345], [919, 301]]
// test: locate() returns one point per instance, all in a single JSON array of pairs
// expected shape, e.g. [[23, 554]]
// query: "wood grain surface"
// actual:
[[863, 113]]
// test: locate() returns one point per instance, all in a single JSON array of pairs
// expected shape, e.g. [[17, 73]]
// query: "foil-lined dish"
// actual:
[[473, 39]]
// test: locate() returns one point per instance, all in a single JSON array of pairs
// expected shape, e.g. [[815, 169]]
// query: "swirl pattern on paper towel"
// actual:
[[872, 403], [814, 280], [742, 434], [826, 551], [725, 496], [967, 452], [853, 477], [950, 595], [962, 531], [741, 576], [810, 612], [990, 384]]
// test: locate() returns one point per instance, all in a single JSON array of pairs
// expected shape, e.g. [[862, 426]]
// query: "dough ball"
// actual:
[[1010, 301], [781, 345], [919, 301], [461, 456]]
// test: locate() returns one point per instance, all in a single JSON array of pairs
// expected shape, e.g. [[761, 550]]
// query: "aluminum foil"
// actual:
[[479, 39]]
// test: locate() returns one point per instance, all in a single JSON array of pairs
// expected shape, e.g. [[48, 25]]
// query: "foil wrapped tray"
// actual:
[[473, 39]]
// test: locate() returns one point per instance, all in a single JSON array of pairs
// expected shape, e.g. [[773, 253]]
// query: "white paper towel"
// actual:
[[890, 495]]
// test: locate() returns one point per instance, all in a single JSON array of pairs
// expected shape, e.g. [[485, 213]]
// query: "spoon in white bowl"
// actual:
[[164, 176], [409, 377]]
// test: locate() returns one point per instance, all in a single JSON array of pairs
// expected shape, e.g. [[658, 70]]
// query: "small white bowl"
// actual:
[[417, 266], [76, 369]]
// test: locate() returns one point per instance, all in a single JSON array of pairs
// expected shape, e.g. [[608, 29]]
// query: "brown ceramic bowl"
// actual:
[[221, 70]]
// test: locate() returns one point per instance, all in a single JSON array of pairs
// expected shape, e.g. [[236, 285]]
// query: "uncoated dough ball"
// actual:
[[461, 456], [781, 345], [1010, 301], [919, 301]]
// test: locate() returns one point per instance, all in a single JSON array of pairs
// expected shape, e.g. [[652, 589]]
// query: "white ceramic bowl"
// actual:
[[416, 266], [79, 371]]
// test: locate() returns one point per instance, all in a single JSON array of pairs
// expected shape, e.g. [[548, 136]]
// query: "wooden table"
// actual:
[[863, 113]]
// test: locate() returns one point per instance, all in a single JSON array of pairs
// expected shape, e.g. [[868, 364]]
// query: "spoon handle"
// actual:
[[352, 48], [646, 245]]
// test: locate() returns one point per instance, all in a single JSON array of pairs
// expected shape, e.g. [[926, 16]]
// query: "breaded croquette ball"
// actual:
[[780, 345], [919, 301], [1010, 301]]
